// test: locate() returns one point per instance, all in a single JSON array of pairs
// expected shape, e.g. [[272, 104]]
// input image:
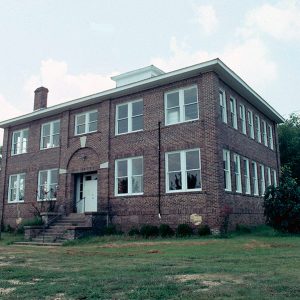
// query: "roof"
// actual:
[[216, 65]]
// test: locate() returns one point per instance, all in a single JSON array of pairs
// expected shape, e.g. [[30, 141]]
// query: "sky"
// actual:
[[73, 47]]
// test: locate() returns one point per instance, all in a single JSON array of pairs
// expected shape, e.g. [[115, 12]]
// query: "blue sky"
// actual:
[[73, 47]]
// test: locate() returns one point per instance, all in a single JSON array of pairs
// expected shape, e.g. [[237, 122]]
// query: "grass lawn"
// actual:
[[260, 265]]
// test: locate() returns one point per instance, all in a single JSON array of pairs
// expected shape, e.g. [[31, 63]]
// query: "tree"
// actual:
[[289, 144]]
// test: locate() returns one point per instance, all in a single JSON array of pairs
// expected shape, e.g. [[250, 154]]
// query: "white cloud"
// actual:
[[64, 86], [280, 20], [207, 18], [103, 28]]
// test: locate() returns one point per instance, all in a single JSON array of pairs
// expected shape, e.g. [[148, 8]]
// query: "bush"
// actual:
[[282, 204], [204, 230], [242, 228], [37, 221], [149, 231], [133, 231], [165, 230], [184, 230], [111, 230]]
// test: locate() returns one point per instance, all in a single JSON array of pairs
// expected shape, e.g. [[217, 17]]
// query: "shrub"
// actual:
[[36, 221], [165, 230], [184, 230], [111, 230], [149, 231], [282, 204], [133, 231], [204, 230], [242, 228]]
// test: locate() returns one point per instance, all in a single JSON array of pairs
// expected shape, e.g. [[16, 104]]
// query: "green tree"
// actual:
[[289, 144]]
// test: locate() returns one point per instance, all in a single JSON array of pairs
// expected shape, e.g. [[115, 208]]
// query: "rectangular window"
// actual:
[[269, 182], [258, 131], [233, 113], [50, 134], [247, 176], [262, 180], [86, 122], [243, 118], [275, 178], [183, 170], [181, 105], [48, 184], [19, 142], [265, 138], [223, 106], [250, 123], [130, 117], [255, 178], [237, 173], [129, 176], [271, 144], [227, 171], [16, 188]]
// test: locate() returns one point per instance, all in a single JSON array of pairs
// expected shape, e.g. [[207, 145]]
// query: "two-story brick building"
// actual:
[[158, 148]]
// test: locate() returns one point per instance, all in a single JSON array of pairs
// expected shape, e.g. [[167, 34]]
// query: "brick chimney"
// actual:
[[40, 98]]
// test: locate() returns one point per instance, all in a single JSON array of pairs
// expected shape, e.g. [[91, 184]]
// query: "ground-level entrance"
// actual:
[[86, 192]]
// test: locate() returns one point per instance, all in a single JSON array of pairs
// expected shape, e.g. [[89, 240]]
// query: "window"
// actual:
[[183, 170], [50, 135], [265, 139], [233, 113], [258, 131], [237, 173], [269, 182], [19, 142], [243, 118], [129, 176], [130, 117], [181, 105], [247, 176], [223, 107], [271, 144], [227, 171], [255, 178], [16, 188], [86, 122], [48, 184], [262, 180], [274, 178], [250, 123]]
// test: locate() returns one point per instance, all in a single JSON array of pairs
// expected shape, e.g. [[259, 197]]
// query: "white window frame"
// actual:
[[250, 123], [129, 117], [227, 170], [258, 130], [269, 180], [22, 149], [247, 176], [265, 135], [243, 118], [233, 112], [183, 171], [181, 105], [51, 135], [262, 180], [223, 105], [255, 179], [129, 176], [274, 178], [270, 136], [237, 173], [48, 184], [87, 122], [18, 188]]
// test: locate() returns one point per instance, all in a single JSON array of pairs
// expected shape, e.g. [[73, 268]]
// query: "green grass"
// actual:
[[259, 265]]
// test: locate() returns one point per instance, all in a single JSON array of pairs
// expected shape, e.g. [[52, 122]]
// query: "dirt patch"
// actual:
[[6, 291], [254, 244], [153, 251]]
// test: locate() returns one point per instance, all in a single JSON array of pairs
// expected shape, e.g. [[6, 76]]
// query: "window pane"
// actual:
[[175, 181], [137, 123], [137, 166], [80, 129], [137, 184], [43, 178], [122, 168], [173, 100], [173, 115], [190, 95], [21, 187], [53, 191], [25, 141], [191, 111], [46, 129], [80, 119], [174, 162], [93, 116], [123, 111], [56, 140], [193, 180], [93, 126], [192, 160], [16, 137], [123, 185], [46, 142], [137, 108], [54, 177], [56, 127], [123, 126]]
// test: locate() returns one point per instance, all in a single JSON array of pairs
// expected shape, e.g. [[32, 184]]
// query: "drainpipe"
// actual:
[[109, 162], [159, 169], [276, 149]]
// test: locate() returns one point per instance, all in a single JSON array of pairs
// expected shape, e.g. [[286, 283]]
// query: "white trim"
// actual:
[[51, 134], [233, 112], [255, 179], [18, 188], [247, 176], [274, 178], [251, 123], [227, 170], [270, 136], [258, 129], [223, 105], [48, 183], [21, 131], [265, 134], [262, 180], [237, 173], [243, 118], [269, 180], [86, 122]]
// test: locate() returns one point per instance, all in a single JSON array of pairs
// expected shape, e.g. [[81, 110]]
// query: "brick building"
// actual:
[[159, 148]]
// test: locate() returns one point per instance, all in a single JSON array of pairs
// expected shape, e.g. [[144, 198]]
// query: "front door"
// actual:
[[86, 196]]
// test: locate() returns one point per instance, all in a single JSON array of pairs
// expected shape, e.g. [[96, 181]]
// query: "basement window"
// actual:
[[16, 188]]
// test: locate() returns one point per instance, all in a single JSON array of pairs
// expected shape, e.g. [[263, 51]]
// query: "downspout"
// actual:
[[159, 169], [108, 170], [277, 148]]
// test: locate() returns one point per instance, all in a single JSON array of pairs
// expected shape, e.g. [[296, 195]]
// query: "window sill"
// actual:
[[128, 195], [120, 134], [15, 202], [47, 200], [183, 122], [184, 191], [85, 133], [18, 154], [42, 149]]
